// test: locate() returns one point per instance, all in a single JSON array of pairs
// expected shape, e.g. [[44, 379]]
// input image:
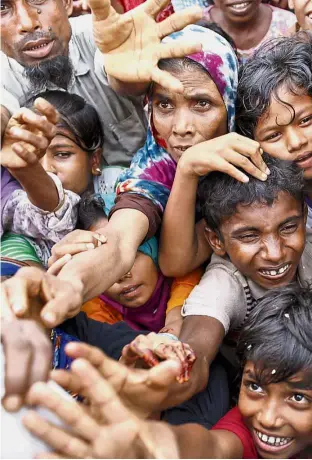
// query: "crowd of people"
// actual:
[[156, 229]]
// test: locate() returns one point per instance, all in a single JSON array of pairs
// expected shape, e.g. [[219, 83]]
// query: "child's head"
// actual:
[[74, 154], [136, 287], [276, 390], [259, 225], [303, 12], [274, 101]]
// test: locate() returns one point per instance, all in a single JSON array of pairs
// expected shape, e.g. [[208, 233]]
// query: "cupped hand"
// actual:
[[131, 42], [28, 135], [153, 348], [226, 154], [32, 293]]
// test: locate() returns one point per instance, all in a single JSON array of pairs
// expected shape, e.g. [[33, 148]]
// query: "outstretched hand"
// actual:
[[131, 42], [115, 430]]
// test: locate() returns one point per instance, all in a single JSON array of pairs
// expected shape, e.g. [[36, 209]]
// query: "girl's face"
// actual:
[[136, 287], [278, 415], [197, 115], [285, 130], [303, 11], [73, 166], [238, 11]]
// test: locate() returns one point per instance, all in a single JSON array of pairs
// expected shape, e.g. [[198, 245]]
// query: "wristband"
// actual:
[[170, 336]]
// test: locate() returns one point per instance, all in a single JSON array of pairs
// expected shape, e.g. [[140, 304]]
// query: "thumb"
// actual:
[[100, 9], [164, 374]]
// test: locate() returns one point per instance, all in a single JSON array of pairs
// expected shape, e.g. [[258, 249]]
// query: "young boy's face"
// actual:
[[303, 11], [278, 415], [265, 243], [285, 131]]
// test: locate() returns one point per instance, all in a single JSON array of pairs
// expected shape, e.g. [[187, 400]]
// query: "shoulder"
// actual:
[[282, 17]]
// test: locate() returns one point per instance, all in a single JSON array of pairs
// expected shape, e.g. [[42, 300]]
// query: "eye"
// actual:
[[306, 120], [253, 387], [272, 137], [36, 2], [290, 228], [4, 7], [165, 105], [249, 238], [203, 104], [62, 155], [299, 399]]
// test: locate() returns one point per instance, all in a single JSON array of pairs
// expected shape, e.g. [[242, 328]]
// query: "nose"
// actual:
[[273, 250], [296, 139], [127, 275], [268, 416], [27, 17], [47, 164], [183, 123]]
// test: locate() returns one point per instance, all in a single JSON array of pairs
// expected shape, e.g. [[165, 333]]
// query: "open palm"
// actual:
[[131, 42]]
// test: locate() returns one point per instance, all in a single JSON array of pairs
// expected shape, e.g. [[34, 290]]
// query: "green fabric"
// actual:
[[17, 247]]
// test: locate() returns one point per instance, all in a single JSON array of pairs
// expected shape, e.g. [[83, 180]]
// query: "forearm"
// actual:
[[100, 268], [39, 186], [179, 244]]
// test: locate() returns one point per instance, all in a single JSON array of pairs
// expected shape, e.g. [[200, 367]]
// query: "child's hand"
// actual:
[[32, 293], [152, 347], [225, 154], [73, 243], [143, 391], [28, 135], [119, 434], [28, 354]]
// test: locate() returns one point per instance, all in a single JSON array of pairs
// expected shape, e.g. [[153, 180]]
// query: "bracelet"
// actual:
[[170, 336]]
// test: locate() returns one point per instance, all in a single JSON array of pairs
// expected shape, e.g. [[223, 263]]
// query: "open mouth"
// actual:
[[275, 273], [240, 7], [305, 161], [182, 148], [39, 50], [130, 291], [272, 443]]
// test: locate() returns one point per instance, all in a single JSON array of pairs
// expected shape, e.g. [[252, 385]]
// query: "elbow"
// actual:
[[172, 267]]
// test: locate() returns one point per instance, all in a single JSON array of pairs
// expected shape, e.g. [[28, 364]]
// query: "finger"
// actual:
[[178, 21], [166, 80], [100, 9], [55, 437], [246, 164], [18, 293], [25, 154], [128, 357], [69, 411], [47, 109], [71, 248], [50, 455], [164, 374], [40, 122], [42, 354], [6, 306], [176, 49], [99, 392], [38, 141], [66, 380], [57, 266], [229, 169], [259, 162], [153, 7]]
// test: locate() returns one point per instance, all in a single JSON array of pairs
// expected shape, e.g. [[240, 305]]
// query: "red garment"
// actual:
[[233, 421], [130, 4]]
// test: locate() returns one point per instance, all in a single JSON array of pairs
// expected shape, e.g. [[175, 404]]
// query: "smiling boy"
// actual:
[[257, 231]]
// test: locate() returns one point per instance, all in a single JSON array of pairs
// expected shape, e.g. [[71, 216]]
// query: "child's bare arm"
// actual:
[[26, 138], [174, 321]]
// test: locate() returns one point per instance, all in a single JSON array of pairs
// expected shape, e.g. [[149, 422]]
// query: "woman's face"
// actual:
[[136, 287], [285, 130], [72, 165], [238, 11], [197, 115]]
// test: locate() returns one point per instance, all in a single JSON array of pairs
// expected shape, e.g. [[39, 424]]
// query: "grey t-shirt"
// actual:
[[123, 118]]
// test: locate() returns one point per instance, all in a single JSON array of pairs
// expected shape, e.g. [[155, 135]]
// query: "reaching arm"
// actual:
[[5, 117], [102, 267], [183, 247]]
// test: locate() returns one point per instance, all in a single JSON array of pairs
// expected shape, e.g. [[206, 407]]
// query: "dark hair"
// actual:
[[79, 117], [91, 210], [219, 194], [277, 337], [284, 61]]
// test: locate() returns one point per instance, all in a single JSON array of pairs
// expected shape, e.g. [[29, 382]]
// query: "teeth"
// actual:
[[280, 271], [271, 440], [37, 47], [240, 6]]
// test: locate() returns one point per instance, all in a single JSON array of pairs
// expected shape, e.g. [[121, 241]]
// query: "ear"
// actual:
[[290, 4], [215, 242], [96, 162], [68, 5]]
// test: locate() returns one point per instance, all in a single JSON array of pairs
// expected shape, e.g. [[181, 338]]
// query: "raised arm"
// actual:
[[131, 44]]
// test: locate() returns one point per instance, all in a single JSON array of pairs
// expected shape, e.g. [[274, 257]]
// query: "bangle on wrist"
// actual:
[[170, 336]]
